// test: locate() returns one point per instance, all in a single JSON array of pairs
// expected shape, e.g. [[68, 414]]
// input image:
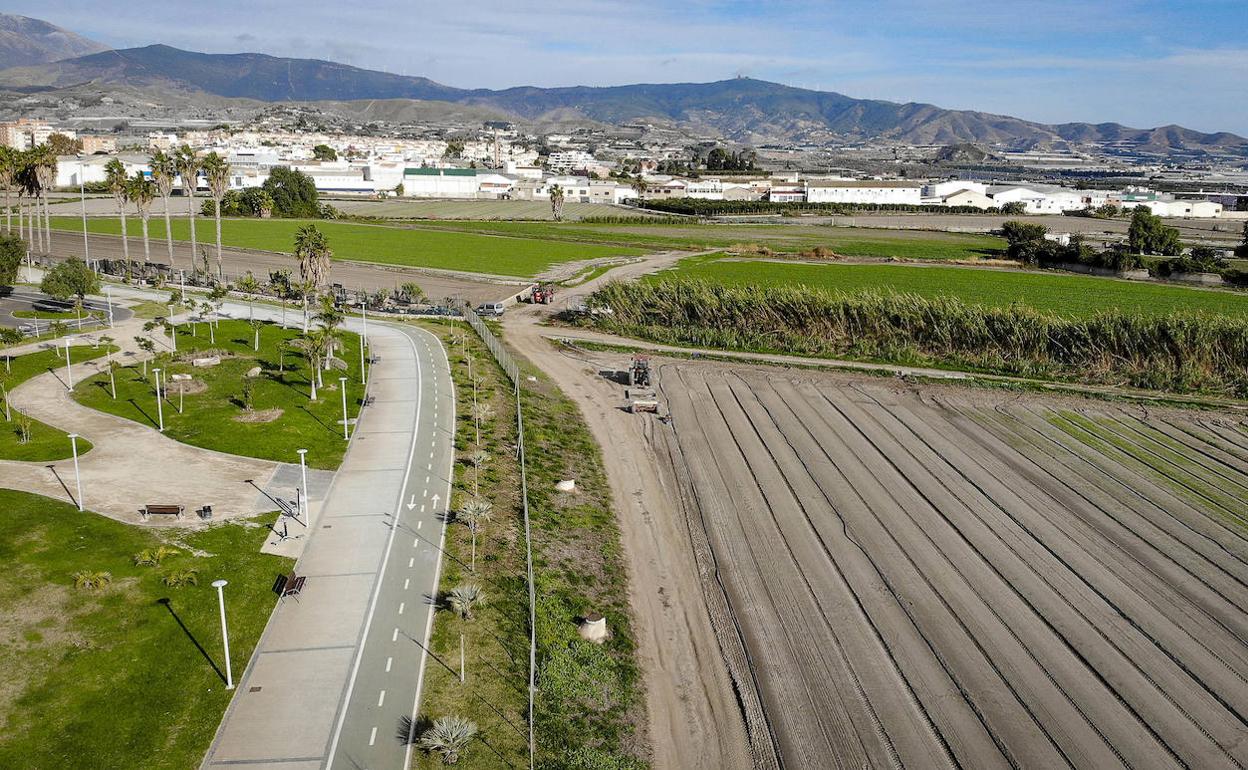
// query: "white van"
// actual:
[[494, 309]]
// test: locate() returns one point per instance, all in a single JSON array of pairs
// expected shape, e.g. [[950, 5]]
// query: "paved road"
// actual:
[[22, 299], [336, 676]]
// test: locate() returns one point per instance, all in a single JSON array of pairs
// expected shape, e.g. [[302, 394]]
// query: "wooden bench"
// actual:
[[165, 510]]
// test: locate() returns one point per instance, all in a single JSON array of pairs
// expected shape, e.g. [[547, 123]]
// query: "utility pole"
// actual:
[[342, 382], [160, 412], [73, 441], [225, 633], [69, 372], [303, 470]]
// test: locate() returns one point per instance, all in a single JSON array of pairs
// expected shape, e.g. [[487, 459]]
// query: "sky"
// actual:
[[1143, 63]]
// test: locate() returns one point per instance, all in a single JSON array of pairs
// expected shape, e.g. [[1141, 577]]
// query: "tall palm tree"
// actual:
[[164, 171], [188, 169], [556, 201], [28, 179], [217, 170], [45, 171], [142, 191], [119, 186], [8, 179], [313, 252]]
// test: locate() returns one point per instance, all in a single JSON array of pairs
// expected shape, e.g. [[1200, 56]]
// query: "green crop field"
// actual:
[[127, 674], [848, 241], [1063, 294], [522, 256]]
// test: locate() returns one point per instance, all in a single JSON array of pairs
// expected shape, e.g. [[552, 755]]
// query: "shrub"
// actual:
[[92, 580], [448, 737]]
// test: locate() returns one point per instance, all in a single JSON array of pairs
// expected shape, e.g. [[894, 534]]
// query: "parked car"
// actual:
[[494, 309]]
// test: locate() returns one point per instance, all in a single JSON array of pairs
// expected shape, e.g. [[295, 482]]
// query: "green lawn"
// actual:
[[512, 256], [127, 675], [848, 241], [50, 315], [1069, 295], [215, 418], [45, 442]]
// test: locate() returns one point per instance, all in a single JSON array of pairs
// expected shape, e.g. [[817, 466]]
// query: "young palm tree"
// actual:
[[481, 412], [313, 252], [217, 171], [256, 326], [180, 578], [164, 172], [249, 286], [119, 186], [448, 737], [188, 170], [464, 597], [143, 192], [92, 580], [473, 514]]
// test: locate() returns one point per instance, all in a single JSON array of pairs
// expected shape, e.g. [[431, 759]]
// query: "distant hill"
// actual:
[[742, 109], [25, 41]]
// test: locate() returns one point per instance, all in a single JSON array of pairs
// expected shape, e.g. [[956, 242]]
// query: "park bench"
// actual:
[[369, 400], [289, 585], [166, 510]]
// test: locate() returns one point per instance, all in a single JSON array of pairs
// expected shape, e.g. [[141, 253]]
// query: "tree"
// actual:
[[217, 172], [28, 185], [1014, 208], [164, 172], [454, 148], [12, 252], [147, 346], [45, 164], [1241, 250], [313, 252], [1148, 235], [448, 737], [188, 169], [143, 192], [556, 202], [119, 186], [257, 202], [69, 280], [464, 598], [293, 193], [92, 579], [324, 152], [473, 514], [640, 186], [249, 286], [60, 144], [8, 180], [412, 291], [1026, 241]]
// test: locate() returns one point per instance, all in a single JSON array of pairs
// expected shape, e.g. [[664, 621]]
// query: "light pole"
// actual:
[[69, 371], [73, 442], [342, 385], [108, 297], [225, 632], [303, 471], [160, 411]]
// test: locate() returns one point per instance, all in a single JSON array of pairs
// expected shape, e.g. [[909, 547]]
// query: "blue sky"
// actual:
[[1143, 63]]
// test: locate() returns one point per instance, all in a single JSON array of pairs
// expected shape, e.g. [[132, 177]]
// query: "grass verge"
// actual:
[[43, 442], [128, 673]]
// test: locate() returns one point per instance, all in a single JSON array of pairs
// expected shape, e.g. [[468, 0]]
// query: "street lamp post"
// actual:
[[160, 411], [108, 297], [303, 471], [73, 442], [225, 632], [342, 382], [69, 371]]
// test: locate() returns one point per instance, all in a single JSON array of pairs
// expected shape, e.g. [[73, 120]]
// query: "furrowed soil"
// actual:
[[941, 577]]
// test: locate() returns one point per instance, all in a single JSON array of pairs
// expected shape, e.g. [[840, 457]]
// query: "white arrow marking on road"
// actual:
[[411, 503], [435, 497]]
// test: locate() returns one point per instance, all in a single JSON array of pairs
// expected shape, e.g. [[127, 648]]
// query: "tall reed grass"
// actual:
[[1177, 353]]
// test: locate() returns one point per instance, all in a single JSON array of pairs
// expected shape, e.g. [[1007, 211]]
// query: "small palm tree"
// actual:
[[249, 286], [464, 598], [91, 580], [256, 325], [146, 558], [473, 514], [180, 578], [448, 737], [478, 458]]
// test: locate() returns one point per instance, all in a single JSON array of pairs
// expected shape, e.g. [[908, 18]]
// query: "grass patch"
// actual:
[[112, 677], [519, 256], [1072, 296], [50, 315], [215, 416], [149, 309], [45, 443]]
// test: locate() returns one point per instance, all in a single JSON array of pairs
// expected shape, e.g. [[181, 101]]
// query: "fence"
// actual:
[[508, 364]]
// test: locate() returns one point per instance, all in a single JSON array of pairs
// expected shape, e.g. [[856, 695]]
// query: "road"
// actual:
[[24, 299], [336, 675]]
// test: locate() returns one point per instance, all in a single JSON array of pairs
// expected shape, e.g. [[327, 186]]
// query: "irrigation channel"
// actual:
[[938, 577]]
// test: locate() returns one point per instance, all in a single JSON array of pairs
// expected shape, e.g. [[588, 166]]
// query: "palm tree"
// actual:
[[448, 736], [415, 295], [249, 286], [143, 192], [474, 513], [188, 169], [480, 413], [640, 187], [330, 318], [118, 185], [313, 252], [180, 578], [8, 180], [45, 171], [556, 201], [217, 170], [464, 597], [164, 171], [28, 179], [92, 579]]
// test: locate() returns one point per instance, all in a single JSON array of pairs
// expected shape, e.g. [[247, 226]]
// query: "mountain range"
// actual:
[[741, 110], [25, 41]]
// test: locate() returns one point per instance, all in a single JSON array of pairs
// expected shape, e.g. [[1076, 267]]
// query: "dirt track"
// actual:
[[948, 578]]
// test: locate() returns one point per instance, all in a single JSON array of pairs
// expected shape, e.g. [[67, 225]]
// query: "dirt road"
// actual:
[[944, 577]]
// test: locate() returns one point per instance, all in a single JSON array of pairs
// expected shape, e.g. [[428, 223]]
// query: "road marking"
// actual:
[[388, 662], [401, 606], [395, 636], [380, 700], [415, 542], [429, 467], [406, 583], [422, 509], [426, 479], [410, 562], [372, 737]]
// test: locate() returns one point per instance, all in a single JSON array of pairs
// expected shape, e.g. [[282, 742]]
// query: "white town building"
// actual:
[[864, 191]]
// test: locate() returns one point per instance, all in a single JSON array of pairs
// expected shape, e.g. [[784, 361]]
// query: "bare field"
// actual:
[[928, 577]]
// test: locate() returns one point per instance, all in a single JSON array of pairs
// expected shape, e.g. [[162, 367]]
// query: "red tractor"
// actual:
[[543, 295]]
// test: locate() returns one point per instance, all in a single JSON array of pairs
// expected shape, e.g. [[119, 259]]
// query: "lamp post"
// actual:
[[73, 442], [303, 471], [225, 632], [108, 297], [69, 371], [160, 411], [342, 383]]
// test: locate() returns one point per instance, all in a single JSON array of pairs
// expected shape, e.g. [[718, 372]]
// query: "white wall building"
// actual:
[[864, 191], [567, 161], [951, 186], [440, 182]]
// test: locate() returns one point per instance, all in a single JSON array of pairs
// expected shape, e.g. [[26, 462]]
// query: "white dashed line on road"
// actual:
[[402, 605], [381, 698], [395, 636], [426, 479], [372, 737], [389, 661], [406, 583], [422, 510], [410, 562]]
